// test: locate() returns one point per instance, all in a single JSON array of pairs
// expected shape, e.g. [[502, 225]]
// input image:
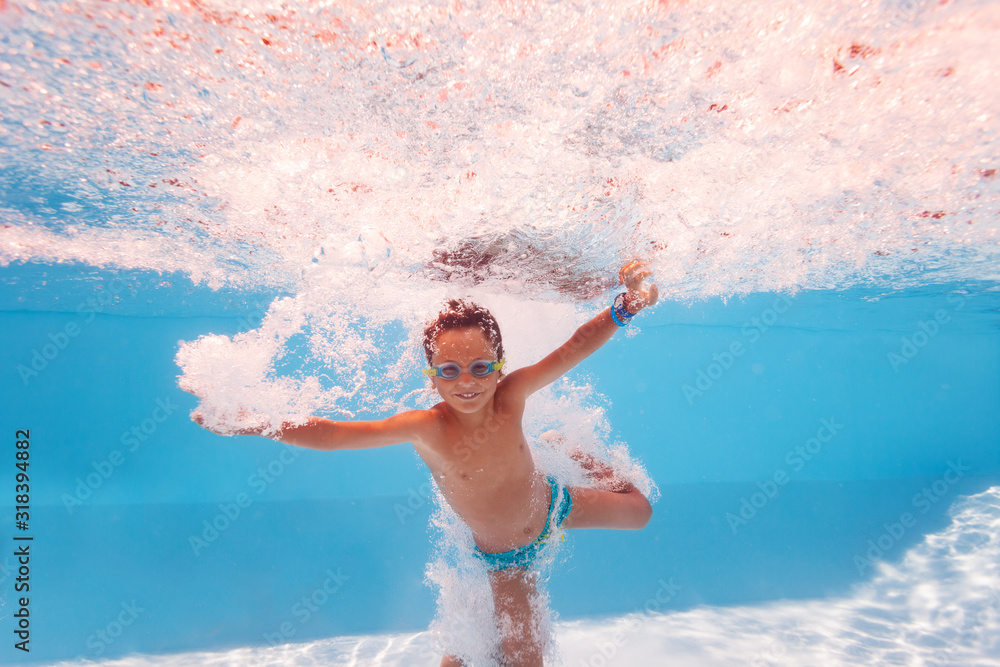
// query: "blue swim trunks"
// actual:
[[560, 504]]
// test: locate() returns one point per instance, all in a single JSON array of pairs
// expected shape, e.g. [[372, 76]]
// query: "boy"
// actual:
[[493, 486]]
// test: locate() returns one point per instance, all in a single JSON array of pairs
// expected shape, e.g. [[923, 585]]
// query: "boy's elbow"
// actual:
[[646, 513]]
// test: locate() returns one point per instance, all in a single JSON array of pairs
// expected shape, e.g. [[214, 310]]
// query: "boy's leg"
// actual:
[[618, 504], [593, 508], [451, 661], [513, 599]]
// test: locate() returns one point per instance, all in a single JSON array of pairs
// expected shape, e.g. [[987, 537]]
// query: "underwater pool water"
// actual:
[[126, 487], [266, 201]]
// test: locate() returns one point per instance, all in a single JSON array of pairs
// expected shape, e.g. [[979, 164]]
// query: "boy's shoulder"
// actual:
[[426, 420]]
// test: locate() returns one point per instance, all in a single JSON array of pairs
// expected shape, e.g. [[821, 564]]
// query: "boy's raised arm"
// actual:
[[589, 337]]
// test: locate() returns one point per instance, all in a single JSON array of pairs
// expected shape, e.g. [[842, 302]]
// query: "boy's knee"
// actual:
[[643, 511]]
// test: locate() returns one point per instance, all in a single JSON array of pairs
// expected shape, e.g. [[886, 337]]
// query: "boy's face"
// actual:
[[466, 393]]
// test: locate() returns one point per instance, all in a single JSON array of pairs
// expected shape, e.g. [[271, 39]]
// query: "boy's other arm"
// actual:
[[588, 338], [327, 435]]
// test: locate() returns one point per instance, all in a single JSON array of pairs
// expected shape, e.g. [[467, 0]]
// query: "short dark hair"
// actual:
[[461, 314]]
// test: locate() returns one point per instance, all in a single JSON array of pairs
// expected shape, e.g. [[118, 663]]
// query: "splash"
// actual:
[[529, 148], [371, 160]]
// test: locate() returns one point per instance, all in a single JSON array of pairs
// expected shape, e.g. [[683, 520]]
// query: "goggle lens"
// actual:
[[481, 369]]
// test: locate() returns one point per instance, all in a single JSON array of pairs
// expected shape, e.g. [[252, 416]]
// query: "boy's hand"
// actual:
[[198, 417], [633, 275]]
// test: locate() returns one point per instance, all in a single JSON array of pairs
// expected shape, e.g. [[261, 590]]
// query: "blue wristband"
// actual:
[[619, 314]]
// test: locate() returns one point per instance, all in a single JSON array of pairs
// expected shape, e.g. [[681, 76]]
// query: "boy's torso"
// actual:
[[487, 474]]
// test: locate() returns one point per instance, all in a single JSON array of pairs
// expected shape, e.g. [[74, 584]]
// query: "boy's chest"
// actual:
[[488, 456], [488, 481]]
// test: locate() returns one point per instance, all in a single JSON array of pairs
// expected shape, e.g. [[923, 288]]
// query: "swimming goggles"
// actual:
[[451, 371]]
